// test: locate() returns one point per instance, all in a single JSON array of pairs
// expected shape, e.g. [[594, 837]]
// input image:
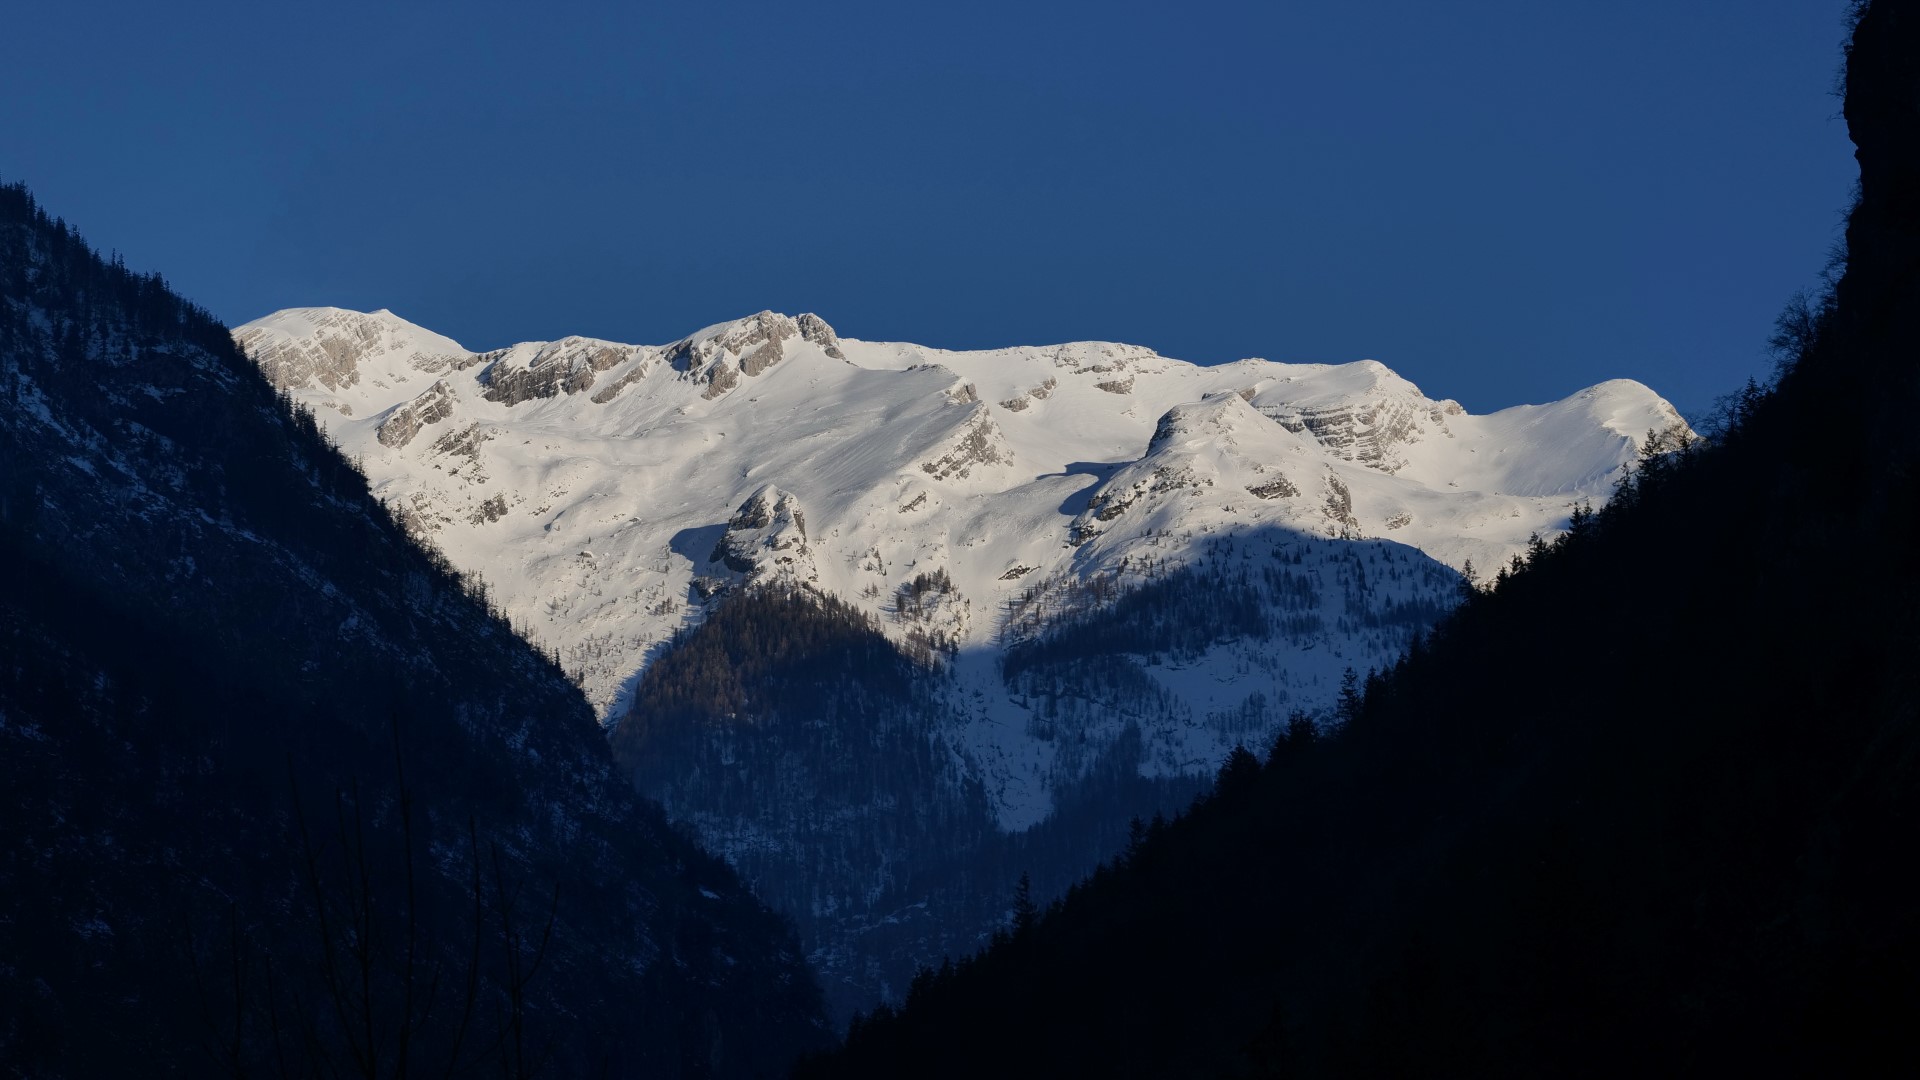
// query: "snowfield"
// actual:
[[608, 493]]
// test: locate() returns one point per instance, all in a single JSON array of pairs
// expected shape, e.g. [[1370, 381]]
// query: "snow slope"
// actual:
[[607, 492]]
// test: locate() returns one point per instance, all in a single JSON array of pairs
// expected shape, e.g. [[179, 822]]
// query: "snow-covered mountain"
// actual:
[[1107, 567], [607, 492]]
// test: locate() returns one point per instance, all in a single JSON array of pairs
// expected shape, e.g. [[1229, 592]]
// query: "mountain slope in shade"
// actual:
[[594, 484], [217, 643], [1668, 833]]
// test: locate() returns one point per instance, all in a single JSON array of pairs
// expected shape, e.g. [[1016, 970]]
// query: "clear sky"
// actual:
[[1505, 201]]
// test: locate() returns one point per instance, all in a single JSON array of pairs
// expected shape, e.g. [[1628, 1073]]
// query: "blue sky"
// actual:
[[1503, 201]]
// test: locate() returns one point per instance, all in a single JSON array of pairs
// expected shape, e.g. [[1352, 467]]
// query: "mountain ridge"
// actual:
[[1009, 428], [966, 506], [213, 637]]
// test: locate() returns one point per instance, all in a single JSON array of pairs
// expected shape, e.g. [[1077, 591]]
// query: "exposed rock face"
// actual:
[[460, 450], [720, 356], [979, 444], [1340, 507], [326, 346], [461, 442], [722, 376], [612, 390], [431, 407], [1370, 433], [1114, 500], [767, 539], [815, 329], [1100, 358], [1277, 488], [516, 387], [329, 362], [568, 366], [1039, 393], [488, 512]]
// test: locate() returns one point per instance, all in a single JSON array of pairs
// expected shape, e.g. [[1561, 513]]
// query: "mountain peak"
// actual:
[[722, 354], [325, 347], [977, 464]]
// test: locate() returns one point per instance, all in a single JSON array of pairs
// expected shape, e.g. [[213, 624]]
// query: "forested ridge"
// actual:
[[1668, 832], [283, 793]]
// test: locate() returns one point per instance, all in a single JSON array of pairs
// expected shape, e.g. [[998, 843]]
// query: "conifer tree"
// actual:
[[1348, 707], [1025, 913], [1301, 730]]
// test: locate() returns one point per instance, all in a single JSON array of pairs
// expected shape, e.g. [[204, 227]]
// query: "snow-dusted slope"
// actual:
[[606, 491]]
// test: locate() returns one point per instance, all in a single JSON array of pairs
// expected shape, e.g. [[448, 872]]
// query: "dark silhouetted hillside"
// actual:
[[281, 792], [1672, 834]]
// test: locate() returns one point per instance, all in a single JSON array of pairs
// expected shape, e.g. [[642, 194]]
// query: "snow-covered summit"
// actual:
[[608, 491], [324, 348]]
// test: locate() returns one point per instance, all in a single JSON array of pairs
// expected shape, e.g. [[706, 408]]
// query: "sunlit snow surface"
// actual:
[[592, 484]]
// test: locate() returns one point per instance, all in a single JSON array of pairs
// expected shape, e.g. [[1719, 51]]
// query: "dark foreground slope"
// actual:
[[793, 735], [1674, 835], [278, 792]]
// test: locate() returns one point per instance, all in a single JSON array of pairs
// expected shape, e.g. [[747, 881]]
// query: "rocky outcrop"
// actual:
[[978, 444], [747, 347], [1039, 393], [568, 366], [330, 360], [1368, 433], [628, 378], [461, 446], [431, 407], [1117, 498], [1277, 488], [722, 376], [815, 329], [489, 512], [767, 539], [328, 346], [1339, 509]]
